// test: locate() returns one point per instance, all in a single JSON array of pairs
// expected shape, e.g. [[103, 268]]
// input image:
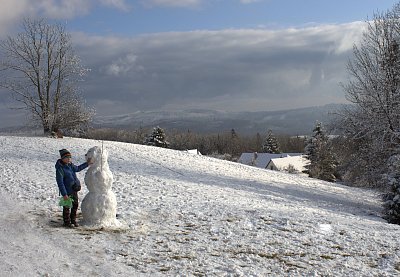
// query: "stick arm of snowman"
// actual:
[[102, 147]]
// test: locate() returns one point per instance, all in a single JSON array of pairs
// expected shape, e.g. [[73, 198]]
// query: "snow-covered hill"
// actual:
[[188, 215]]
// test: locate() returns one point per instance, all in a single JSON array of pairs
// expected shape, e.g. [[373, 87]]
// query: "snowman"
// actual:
[[99, 206]]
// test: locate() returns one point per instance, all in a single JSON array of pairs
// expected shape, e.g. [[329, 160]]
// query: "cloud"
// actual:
[[12, 11], [122, 66], [62, 9], [237, 70], [118, 4]]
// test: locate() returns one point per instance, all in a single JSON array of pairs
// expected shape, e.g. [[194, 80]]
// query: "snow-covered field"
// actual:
[[188, 215]]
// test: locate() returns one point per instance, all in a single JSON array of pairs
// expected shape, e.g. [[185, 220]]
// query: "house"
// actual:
[[291, 164], [193, 151], [261, 160]]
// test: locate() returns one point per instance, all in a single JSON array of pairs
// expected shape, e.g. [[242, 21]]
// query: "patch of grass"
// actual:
[[268, 255], [231, 219], [397, 267], [181, 257], [372, 264], [327, 257], [165, 269], [292, 264], [337, 247]]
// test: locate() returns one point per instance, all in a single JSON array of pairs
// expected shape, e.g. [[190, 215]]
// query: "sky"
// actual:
[[236, 55]]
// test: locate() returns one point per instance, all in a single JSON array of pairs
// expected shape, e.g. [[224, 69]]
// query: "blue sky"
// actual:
[[223, 14], [236, 55]]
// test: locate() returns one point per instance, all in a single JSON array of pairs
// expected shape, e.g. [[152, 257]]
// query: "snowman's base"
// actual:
[[116, 227]]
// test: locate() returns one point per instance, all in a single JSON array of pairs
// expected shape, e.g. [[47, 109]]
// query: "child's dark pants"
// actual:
[[69, 214]]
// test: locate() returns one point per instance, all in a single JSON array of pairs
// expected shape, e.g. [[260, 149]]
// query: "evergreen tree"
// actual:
[[271, 144], [322, 162], [235, 145], [157, 138], [233, 134]]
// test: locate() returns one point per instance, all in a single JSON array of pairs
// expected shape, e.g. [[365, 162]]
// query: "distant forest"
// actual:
[[229, 145]]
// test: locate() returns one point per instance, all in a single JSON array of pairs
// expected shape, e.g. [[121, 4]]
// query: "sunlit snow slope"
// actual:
[[188, 215]]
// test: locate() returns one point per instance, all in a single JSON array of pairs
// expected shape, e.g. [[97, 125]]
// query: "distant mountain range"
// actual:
[[291, 122]]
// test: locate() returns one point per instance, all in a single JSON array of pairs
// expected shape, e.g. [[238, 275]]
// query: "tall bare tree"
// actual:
[[373, 123], [41, 70]]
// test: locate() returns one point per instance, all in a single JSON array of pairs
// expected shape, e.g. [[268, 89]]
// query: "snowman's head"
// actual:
[[96, 156]]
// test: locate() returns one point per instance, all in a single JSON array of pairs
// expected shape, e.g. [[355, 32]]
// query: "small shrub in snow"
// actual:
[[291, 169]]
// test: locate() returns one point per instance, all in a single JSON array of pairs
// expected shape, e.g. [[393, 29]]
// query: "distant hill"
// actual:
[[291, 122]]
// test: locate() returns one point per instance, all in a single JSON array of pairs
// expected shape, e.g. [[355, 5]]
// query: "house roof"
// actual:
[[298, 162], [262, 159], [193, 151]]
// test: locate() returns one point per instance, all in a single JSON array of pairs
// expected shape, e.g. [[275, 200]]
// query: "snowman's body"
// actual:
[[99, 207]]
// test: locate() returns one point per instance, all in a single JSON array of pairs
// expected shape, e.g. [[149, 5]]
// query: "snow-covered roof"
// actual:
[[193, 151], [298, 163], [262, 159]]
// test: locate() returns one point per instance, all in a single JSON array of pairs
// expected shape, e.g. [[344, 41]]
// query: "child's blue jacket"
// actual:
[[66, 176]]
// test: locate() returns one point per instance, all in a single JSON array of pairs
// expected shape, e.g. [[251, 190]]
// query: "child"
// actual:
[[69, 185]]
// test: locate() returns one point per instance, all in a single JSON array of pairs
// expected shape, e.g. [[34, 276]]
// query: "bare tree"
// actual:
[[373, 123], [41, 70]]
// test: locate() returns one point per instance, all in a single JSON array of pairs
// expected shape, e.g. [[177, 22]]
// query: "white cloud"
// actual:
[[11, 11], [118, 4], [71, 8], [122, 65], [62, 9]]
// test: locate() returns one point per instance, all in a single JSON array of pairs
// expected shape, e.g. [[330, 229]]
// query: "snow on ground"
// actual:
[[188, 215]]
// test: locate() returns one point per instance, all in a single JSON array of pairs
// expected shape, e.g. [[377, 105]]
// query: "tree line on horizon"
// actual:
[[227, 144]]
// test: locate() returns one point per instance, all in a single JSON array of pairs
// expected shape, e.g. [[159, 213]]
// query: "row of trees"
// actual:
[[229, 144]]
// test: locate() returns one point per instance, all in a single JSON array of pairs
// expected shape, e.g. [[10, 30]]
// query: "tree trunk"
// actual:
[[46, 130]]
